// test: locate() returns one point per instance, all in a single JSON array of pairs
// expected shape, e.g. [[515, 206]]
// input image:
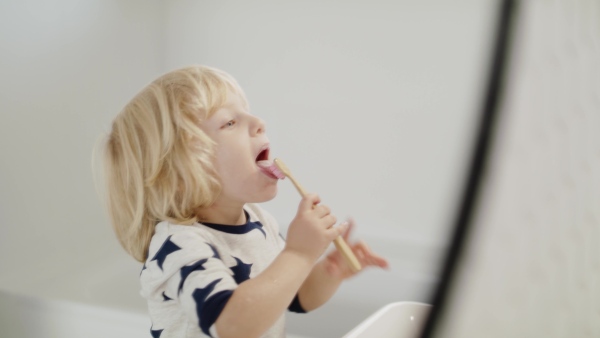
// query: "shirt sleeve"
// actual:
[[194, 275], [295, 306]]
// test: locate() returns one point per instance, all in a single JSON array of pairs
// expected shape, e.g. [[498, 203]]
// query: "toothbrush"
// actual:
[[280, 170]]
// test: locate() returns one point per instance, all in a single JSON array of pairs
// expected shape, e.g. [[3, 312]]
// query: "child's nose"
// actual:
[[258, 127]]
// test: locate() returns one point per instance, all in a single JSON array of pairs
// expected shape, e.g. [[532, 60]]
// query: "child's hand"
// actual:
[[312, 230], [336, 265]]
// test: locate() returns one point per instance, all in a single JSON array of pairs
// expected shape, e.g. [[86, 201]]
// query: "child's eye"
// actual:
[[230, 123]]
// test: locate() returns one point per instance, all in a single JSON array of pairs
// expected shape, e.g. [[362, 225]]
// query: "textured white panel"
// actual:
[[532, 266]]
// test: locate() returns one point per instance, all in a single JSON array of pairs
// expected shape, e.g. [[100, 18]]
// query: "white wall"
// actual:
[[67, 68]]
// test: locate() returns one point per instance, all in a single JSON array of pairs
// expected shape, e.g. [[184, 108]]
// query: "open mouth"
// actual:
[[263, 155], [263, 162]]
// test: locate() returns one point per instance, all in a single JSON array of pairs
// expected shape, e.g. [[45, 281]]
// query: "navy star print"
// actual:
[[215, 253], [187, 270], [257, 225], [165, 297], [200, 296], [241, 271], [166, 249], [155, 333]]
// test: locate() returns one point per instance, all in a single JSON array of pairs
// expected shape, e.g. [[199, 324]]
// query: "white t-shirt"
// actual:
[[192, 270]]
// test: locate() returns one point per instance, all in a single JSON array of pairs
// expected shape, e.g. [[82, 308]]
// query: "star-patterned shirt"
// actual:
[[192, 270]]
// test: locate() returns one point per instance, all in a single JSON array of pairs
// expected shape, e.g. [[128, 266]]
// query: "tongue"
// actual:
[[264, 164], [269, 169]]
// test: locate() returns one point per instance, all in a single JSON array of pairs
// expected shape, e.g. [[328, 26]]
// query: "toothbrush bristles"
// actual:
[[276, 172]]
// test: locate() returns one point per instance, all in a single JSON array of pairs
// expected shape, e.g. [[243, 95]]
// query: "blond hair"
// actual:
[[158, 163]]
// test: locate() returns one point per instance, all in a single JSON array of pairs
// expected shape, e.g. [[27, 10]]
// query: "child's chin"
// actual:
[[268, 195]]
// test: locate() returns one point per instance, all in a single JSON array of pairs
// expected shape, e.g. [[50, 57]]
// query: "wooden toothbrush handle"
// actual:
[[347, 253], [297, 185]]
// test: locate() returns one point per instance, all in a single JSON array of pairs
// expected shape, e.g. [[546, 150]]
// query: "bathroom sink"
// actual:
[[395, 320]]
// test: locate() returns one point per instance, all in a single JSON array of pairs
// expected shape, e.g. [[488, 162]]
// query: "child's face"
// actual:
[[241, 142]]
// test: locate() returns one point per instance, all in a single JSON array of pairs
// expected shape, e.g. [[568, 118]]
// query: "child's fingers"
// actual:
[[329, 221], [381, 262], [360, 254], [334, 231], [322, 210], [309, 200], [368, 256], [351, 225], [343, 228]]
